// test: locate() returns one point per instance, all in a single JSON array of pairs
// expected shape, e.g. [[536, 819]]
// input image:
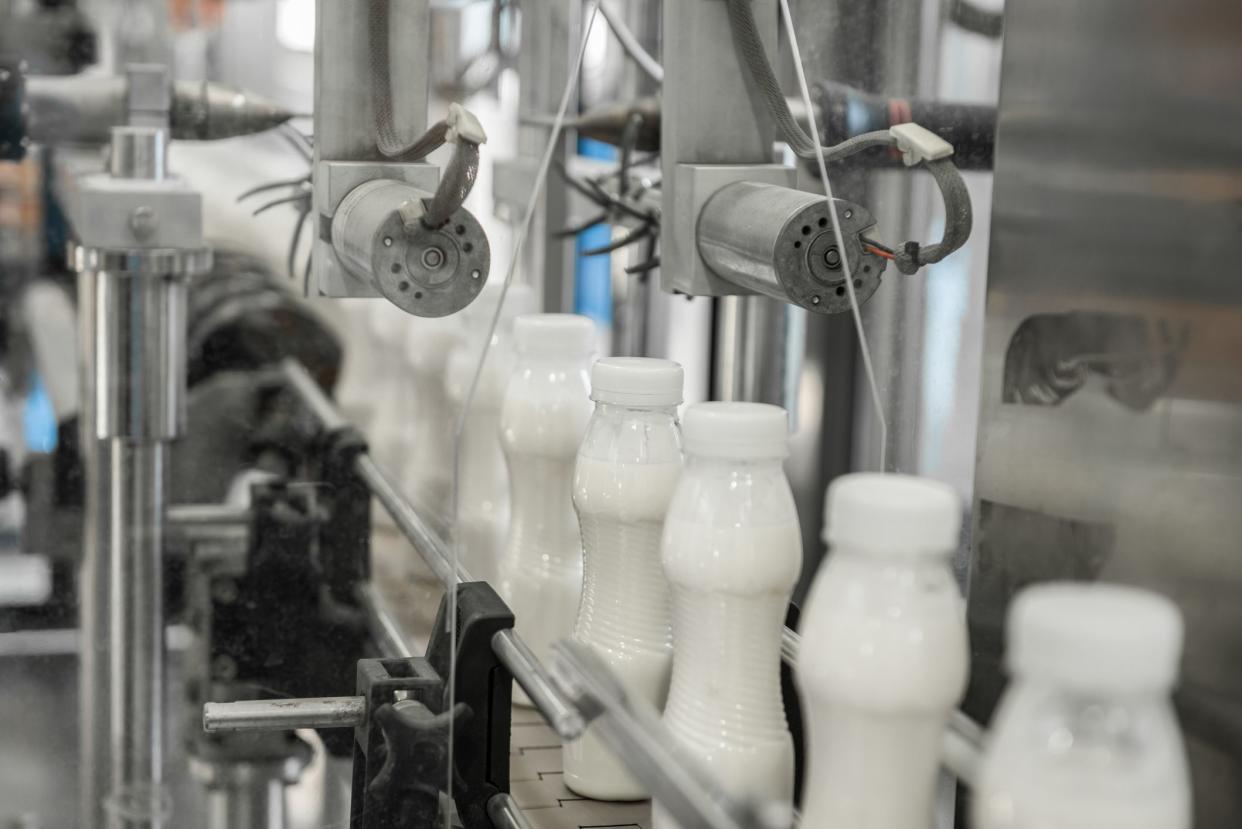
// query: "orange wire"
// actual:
[[882, 253]]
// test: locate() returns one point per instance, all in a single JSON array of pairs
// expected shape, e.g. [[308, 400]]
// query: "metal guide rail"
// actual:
[[579, 690]]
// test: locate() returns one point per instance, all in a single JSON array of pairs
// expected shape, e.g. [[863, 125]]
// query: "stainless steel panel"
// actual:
[[1111, 432]]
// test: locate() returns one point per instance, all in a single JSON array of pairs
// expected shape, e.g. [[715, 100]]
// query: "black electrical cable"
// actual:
[[974, 18]]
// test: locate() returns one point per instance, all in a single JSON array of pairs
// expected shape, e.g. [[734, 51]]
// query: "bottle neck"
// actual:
[[619, 412], [710, 463], [889, 557], [553, 358]]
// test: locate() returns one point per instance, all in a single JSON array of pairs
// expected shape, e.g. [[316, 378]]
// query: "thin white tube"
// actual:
[[836, 233], [541, 177]]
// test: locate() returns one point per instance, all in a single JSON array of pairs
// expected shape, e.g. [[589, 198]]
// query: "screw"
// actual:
[[142, 222], [815, 300], [433, 258], [387, 241], [224, 591], [224, 668]]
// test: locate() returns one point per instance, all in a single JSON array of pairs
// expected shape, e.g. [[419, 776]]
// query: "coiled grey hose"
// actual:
[[462, 169], [910, 256]]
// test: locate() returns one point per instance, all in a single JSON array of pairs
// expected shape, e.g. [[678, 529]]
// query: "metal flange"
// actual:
[[169, 262], [378, 234]]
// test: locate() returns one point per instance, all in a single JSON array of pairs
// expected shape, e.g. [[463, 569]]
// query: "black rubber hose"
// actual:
[[976, 19]]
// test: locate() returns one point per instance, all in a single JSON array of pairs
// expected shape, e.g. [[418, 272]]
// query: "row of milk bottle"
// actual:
[[672, 550]]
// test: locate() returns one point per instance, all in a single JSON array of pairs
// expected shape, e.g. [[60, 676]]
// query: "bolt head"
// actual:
[[224, 591], [433, 258], [224, 668], [143, 222]]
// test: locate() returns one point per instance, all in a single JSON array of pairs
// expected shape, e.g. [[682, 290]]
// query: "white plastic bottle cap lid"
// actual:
[[892, 514], [636, 381], [739, 431], [1098, 638], [559, 335]]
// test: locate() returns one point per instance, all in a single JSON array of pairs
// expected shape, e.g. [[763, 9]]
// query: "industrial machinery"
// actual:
[[236, 241]]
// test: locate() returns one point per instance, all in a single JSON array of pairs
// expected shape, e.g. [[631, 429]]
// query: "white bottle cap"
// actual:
[[636, 381], [1099, 638], [556, 335], [892, 514], [739, 431]]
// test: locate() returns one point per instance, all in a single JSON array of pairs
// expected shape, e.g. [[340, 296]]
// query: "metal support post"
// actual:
[[550, 34], [138, 240]]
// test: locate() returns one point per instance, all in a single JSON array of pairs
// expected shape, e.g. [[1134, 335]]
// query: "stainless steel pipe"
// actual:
[[284, 714], [136, 622]]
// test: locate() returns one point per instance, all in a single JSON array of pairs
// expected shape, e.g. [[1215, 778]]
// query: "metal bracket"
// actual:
[[696, 183], [334, 180]]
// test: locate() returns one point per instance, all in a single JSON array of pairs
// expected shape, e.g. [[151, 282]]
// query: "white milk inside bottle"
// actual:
[[482, 521], [1085, 736], [884, 653], [428, 464], [542, 421], [732, 551], [627, 469]]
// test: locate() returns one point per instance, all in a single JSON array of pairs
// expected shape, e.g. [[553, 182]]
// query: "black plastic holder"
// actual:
[[401, 756]]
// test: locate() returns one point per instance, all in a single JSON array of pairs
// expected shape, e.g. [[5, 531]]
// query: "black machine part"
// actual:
[[12, 109], [401, 757]]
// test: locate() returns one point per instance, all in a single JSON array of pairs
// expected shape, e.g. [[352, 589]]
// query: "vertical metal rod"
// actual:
[[248, 804], [137, 627], [550, 34], [94, 766]]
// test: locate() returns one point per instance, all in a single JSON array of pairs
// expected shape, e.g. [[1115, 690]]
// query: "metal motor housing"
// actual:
[[379, 237], [778, 241]]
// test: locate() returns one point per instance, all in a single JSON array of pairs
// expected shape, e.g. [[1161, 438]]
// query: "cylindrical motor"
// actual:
[[378, 234], [778, 242]]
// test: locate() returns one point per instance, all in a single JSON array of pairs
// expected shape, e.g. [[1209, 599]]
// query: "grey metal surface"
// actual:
[[140, 357], [284, 714], [133, 381], [345, 112], [902, 61], [718, 123], [344, 108], [551, 32], [139, 152], [1110, 442]]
